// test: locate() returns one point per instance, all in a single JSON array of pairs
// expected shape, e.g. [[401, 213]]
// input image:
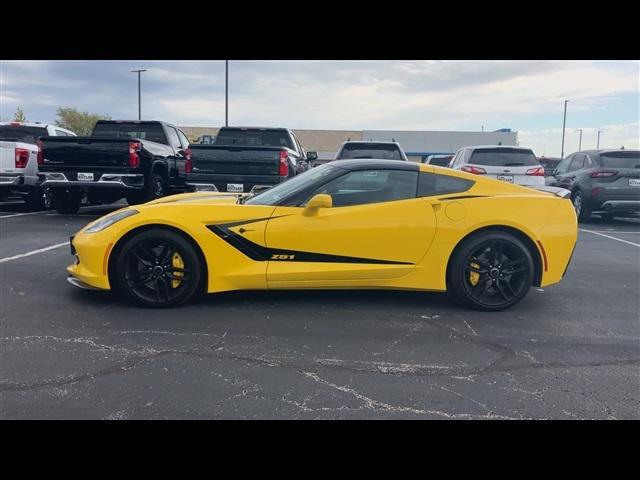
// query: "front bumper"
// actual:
[[127, 181], [92, 257]]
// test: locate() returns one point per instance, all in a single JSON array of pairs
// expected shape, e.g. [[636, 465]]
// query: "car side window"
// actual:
[[370, 186], [563, 166], [174, 141], [455, 161], [434, 184], [577, 163], [183, 139], [60, 133]]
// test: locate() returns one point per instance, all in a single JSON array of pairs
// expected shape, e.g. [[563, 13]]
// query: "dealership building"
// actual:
[[416, 144]]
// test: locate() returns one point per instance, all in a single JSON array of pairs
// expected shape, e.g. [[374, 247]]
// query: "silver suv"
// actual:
[[509, 164]]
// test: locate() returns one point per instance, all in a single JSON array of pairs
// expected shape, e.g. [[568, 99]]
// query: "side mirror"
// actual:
[[321, 200], [311, 156]]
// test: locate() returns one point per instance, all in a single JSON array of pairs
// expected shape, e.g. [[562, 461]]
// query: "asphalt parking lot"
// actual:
[[571, 351]]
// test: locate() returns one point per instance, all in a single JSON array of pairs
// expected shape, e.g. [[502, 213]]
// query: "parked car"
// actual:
[[549, 164], [247, 159], [347, 224], [509, 164], [377, 150], [139, 160], [439, 160], [606, 182], [19, 159]]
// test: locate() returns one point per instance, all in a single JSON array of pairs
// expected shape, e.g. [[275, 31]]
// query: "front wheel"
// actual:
[[156, 268], [491, 271]]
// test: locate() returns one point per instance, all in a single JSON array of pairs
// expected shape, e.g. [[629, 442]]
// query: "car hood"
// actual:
[[199, 197]]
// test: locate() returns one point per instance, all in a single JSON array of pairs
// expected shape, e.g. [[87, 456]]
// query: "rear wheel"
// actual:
[[491, 271], [35, 200], [66, 202], [582, 211], [157, 268], [154, 189]]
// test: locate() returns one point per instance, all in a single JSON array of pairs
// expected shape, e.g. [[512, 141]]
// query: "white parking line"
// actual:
[[34, 252], [22, 214], [609, 236]]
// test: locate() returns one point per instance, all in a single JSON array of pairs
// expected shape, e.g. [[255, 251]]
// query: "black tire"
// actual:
[[144, 272], [501, 266], [35, 200], [66, 202], [607, 217], [583, 212], [155, 188]]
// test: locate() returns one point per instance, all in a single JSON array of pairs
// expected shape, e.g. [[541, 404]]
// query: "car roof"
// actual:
[[375, 163], [606, 150], [28, 124], [371, 142], [509, 147]]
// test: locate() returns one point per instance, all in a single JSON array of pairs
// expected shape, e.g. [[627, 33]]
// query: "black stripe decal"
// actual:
[[462, 197], [262, 254]]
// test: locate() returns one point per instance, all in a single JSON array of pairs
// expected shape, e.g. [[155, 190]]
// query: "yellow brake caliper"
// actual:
[[474, 277], [177, 262]]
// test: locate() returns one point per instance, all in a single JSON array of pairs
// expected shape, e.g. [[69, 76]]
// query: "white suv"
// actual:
[[19, 159], [509, 164]]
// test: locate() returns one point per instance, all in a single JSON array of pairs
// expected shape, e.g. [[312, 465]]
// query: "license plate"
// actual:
[[634, 182], [85, 177], [235, 187], [506, 178]]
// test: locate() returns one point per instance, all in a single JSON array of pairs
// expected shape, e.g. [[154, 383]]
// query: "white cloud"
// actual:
[[548, 142]]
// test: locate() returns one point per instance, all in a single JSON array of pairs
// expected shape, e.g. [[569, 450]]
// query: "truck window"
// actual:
[[371, 150], [17, 133], [174, 141], [254, 138], [183, 139], [144, 131]]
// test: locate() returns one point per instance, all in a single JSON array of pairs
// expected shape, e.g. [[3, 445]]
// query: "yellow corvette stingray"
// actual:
[[347, 224]]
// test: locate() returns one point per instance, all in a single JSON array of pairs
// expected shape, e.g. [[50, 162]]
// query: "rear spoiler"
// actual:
[[557, 191]]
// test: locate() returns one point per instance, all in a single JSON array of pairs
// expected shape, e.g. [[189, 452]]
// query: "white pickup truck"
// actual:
[[19, 159]]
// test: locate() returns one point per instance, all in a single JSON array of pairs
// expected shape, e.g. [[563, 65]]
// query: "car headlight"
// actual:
[[109, 220]]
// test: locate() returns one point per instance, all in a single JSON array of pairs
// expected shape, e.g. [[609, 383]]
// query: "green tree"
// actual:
[[81, 123], [19, 116]]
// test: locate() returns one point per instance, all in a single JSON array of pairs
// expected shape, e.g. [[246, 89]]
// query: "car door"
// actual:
[[568, 178], [376, 229]]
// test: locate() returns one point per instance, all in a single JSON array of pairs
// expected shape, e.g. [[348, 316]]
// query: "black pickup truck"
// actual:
[[247, 159], [139, 160]]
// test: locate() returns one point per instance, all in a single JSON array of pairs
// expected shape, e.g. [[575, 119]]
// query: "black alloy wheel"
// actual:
[[157, 268], [492, 271]]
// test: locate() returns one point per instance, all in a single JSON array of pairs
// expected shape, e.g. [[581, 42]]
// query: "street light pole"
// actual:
[[580, 144], [139, 93], [598, 146], [226, 93], [564, 124]]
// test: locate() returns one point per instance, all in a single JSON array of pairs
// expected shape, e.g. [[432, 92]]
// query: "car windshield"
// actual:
[[370, 150], [17, 133], [440, 161], [295, 184], [503, 157], [621, 159]]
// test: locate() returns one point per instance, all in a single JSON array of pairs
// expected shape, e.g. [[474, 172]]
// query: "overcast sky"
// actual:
[[526, 96]]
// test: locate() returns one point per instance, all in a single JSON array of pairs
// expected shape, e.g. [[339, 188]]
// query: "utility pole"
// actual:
[[139, 93], [226, 93], [564, 124], [483, 128], [580, 144], [598, 146]]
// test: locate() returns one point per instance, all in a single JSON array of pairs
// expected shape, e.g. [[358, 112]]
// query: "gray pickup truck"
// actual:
[[247, 160]]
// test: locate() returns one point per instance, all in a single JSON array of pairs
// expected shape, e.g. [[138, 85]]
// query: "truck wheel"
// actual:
[[35, 200], [156, 188], [491, 271], [66, 202]]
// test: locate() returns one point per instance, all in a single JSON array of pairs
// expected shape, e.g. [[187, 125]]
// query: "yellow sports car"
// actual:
[[353, 224]]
